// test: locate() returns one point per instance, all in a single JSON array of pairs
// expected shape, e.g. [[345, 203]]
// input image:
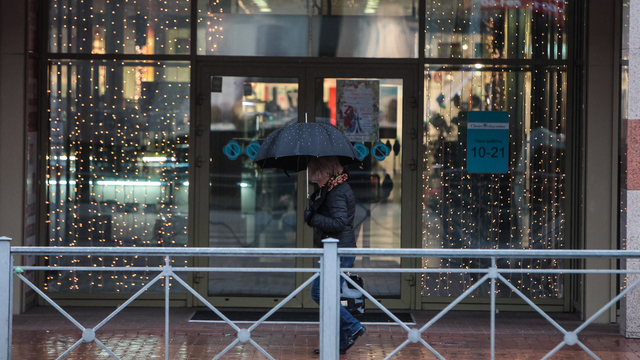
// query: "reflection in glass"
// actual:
[[377, 181], [521, 209], [332, 28], [496, 29], [120, 27], [248, 206], [117, 166]]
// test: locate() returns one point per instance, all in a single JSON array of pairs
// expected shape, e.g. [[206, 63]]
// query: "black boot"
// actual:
[[352, 339]]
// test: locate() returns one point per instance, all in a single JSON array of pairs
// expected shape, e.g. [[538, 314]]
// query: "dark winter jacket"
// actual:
[[333, 216]]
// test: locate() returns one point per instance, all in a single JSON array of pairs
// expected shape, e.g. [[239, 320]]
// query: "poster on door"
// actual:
[[358, 108]]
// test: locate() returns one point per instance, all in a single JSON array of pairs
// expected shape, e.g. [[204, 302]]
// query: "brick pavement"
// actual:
[[137, 333]]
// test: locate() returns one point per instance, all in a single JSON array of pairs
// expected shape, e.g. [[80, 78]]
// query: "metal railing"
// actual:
[[329, 284]]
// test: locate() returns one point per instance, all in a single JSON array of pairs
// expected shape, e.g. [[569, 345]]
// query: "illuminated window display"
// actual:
[[521, 209], [524, 207], [117, 164], [113, 27], [496, 29]]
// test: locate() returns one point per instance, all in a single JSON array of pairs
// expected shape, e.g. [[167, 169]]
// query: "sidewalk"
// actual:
[[138, 333]]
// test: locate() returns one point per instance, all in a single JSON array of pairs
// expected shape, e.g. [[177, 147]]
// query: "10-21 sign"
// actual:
[[488, 142], [482, 151]]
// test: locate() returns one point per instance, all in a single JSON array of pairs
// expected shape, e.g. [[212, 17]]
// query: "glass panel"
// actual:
[[368, 112], [523, 208], [248, 206], [117, 165], [120, 27], [496, 29], [333, 28]]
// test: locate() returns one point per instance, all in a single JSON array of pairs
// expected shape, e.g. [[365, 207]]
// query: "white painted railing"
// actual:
[[329, 274]]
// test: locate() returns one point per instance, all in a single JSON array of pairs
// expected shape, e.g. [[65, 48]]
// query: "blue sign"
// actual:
[[380, 151], [232, 150], [361, 150], [252, 149], [488, 142]]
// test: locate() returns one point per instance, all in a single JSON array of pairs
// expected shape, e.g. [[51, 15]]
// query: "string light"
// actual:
[[495, 29], [522, 209], [116, 166], [137, 27]]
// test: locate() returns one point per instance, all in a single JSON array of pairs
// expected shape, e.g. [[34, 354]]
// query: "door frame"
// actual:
[[306, 72]]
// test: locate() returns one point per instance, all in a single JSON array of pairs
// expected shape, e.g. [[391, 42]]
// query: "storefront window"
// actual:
[[331, 28], [519, 207], [146, 27], [117, 166], [496, 29], [117, 170]]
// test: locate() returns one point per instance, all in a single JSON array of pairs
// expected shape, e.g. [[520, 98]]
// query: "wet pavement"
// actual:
[[138, 333]]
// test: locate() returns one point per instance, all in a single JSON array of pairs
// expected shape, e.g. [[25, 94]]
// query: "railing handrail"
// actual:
[[315, 252], [164, 251]]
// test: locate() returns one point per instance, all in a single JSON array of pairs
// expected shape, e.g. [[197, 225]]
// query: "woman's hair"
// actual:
[[325, 165]]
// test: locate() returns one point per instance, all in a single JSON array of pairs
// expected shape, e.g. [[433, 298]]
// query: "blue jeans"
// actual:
[[348, 324]]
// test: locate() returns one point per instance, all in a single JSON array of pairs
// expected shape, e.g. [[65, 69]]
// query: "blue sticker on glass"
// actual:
[[488, 142], [252, 149], [361, 150], [232, 150], [380, 151]]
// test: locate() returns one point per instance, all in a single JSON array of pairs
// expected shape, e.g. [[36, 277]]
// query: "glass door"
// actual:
[[245, 207], [373, 107]]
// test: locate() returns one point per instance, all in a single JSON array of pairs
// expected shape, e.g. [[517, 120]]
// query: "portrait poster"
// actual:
[[358, 108]]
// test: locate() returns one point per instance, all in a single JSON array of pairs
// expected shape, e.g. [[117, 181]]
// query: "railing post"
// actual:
[[5, 297], [167, 272], [493, 272], [329, 301]]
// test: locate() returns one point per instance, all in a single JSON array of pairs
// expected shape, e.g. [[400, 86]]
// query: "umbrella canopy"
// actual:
[[290, 147]]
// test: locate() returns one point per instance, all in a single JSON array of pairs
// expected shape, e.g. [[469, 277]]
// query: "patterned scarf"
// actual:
[[335, 181]]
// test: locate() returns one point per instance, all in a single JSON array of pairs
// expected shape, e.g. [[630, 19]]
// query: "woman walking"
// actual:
[[331, 214]]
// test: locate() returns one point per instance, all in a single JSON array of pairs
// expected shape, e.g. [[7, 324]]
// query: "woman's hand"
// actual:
[[308, 214]]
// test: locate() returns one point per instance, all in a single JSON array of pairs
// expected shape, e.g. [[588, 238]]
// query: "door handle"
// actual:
[[411, 279], [199, 161], [197, 276]]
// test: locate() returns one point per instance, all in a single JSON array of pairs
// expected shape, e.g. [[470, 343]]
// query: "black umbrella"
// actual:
[[290, 147]]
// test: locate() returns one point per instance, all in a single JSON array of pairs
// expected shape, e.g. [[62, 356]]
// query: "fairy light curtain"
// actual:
[[521, 209], [118, 143], [120, 27], [496, 29], [117, 165]]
